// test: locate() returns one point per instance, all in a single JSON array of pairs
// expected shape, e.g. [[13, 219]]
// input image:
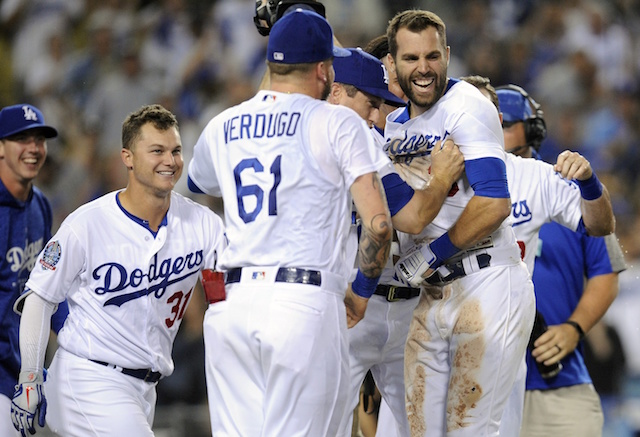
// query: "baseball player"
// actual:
[[361, 83], [24, 229], [541, 193], [284, 163], [470, 329], [128, 263]]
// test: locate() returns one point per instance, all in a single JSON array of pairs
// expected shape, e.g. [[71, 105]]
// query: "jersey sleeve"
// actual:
[[58, 266], [201, 171], [354, 146], [563, 199]]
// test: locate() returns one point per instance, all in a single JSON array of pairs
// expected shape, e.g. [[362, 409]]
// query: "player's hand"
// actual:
[[28, 402], [572, 165], [447, 162], [356, 307], [555, 344], [418, 265]]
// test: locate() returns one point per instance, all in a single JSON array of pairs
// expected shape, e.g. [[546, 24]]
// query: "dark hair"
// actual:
[[483, 83], [161, 118], [415, 20], [378, 47]]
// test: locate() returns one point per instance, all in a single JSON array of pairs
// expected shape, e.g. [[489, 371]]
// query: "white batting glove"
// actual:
[[28, 402], [417, 266]]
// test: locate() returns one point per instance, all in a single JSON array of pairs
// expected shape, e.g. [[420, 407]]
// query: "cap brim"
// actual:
[[339, 52], [388, 96], [48, 131]]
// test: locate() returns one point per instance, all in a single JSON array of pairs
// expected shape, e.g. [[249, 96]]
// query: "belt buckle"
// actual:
[[391, 294], [148, 376]]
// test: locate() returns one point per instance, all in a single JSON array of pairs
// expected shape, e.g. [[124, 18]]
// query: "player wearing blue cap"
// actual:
[[128, 263], [287, 164], [566, 258], [541, 194], [362, 84], [25, 226]]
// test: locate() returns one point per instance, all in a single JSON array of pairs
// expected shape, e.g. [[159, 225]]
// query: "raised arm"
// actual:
[[597, 212]]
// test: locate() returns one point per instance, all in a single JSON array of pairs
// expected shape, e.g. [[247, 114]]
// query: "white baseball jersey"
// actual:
[[127, 291], [539, 195], [276, 352], [465, 116], [251, 154], [461, 334]]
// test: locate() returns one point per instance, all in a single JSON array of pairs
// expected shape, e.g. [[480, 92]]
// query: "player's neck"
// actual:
[[145, 206], [19, 189]]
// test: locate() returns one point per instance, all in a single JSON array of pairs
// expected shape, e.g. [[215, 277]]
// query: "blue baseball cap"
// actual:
[[302, 37], [18, 118], [366, 73], [513, 105]]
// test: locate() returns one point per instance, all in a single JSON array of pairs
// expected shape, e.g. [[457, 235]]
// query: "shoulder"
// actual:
[[189, 208]]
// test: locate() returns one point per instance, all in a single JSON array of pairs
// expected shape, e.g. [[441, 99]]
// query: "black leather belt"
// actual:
[[393, 293], [456, 270], [285, 274], [146, 375]]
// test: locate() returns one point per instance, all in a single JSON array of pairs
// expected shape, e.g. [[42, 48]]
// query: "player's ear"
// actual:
[[127, 158], [334, 94], [392, 63]]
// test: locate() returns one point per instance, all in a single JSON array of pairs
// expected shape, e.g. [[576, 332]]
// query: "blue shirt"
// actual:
[[563, 260], [25, 227]]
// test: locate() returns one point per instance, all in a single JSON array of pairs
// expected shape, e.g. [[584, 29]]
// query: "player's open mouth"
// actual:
[[424, 83], [167, 173], [30, 161]]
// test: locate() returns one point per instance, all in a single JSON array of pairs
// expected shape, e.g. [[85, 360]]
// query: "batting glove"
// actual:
[[28, 402], [418, 265], [423, 262]]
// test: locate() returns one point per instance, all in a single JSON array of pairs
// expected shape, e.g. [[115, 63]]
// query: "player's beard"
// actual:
[[424, 102], [326, 90]]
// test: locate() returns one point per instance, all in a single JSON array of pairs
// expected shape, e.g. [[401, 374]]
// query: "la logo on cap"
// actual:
[[29, 114]]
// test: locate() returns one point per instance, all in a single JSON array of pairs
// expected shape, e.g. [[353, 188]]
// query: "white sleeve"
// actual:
[[564, 200], [35, 326], [201, 170]]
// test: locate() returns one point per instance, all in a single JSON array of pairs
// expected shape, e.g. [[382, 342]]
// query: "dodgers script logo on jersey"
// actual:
[[25, 258], [415, 145], [116, 277]]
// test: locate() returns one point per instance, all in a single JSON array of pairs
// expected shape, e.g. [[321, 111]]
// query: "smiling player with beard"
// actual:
[[470, 329]]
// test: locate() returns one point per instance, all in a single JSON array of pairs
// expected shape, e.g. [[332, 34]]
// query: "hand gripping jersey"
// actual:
[[283, 164], [127, 291], [462, 115]]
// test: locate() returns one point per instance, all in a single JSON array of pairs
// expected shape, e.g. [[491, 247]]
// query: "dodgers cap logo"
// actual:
[[302, 37], [513, 105], [366, 73], [18, 118]]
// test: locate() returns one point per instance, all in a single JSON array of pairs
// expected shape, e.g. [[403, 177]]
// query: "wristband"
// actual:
[[577, 326], [443, 248], [364, 286], [591, 189]]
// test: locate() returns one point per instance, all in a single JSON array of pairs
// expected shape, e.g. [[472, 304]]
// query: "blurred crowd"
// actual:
[[88, 63]]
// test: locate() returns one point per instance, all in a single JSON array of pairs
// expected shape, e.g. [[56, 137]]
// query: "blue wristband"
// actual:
[[364, 286], [443, 248], [591, 189]]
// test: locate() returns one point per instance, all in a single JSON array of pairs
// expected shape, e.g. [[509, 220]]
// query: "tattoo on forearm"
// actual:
[[374, 246]]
